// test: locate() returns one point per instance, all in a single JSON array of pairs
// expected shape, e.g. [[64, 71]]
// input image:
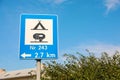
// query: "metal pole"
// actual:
[[38, 69]]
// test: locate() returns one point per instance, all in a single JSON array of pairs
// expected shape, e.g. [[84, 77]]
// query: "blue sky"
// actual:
[[83, 24]]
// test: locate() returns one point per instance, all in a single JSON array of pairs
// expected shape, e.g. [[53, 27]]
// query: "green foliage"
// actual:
[[80, 67]]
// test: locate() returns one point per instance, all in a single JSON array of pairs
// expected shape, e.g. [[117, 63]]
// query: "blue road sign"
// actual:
[[38, 37]]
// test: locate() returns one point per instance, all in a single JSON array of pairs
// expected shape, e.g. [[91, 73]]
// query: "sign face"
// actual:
[[38, 37]]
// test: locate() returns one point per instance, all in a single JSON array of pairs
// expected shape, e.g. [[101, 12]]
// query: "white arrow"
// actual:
[[24, 55]]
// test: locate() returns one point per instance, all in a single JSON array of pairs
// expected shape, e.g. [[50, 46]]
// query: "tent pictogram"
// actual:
[[39, 25]]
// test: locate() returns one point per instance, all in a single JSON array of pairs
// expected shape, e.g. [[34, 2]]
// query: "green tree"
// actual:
[[80, 67]]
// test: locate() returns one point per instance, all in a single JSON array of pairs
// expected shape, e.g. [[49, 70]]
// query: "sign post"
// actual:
[[38, 75], [38, 38]]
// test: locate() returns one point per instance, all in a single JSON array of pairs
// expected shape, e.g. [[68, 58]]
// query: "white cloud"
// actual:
[[54, 2], [97, 49], [59, 1], [111, 4]]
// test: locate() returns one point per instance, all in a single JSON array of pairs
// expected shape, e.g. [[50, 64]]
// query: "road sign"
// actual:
[[38, 37]]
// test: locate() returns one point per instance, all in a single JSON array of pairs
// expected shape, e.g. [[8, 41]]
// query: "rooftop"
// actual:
[[17, 73]]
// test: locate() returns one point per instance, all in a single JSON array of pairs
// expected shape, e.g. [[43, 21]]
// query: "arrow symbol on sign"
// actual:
[[24, 55]]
